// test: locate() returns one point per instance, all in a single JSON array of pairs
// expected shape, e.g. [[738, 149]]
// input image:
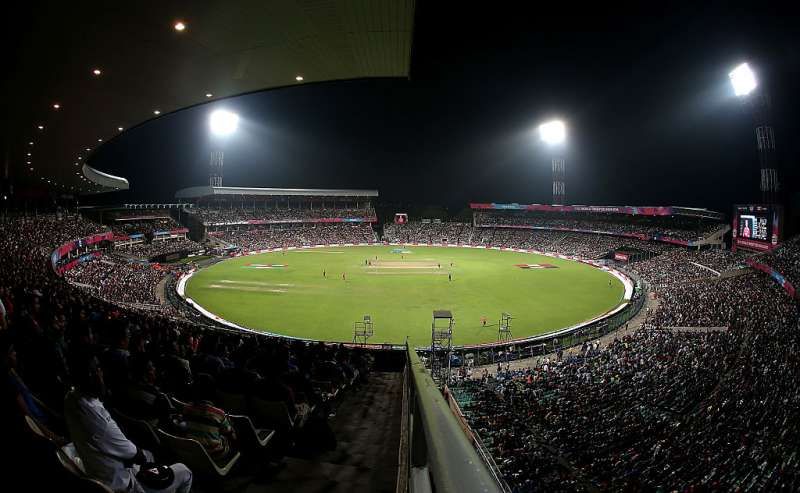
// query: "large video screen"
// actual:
[[757, 227]]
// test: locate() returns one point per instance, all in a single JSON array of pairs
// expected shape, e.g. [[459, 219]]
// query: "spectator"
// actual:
[[206, 423], [107, 454]]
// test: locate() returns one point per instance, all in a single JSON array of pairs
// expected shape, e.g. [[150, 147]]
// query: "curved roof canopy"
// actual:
[[91, 70]]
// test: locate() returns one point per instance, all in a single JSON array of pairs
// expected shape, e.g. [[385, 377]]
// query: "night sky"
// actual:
[[651, 117]]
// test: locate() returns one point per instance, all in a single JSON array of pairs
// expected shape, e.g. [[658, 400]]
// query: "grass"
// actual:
[[400, 291]]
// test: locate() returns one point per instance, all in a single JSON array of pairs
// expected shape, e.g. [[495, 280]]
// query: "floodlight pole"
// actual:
[[760, 107], [215, 168], [559, 179]]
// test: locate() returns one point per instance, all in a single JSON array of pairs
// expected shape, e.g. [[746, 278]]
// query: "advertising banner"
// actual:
[[779, 278]]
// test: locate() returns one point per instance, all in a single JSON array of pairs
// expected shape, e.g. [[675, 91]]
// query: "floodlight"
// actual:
[[553, 132], [179, 26], [743, 80], [223, 122]]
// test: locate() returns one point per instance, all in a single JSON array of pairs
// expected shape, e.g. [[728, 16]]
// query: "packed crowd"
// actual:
[[144, 225], [418, 232], [256, 238], [80, 368], [159, 247], [786, 260], [118, 280], [678, 228], [659, 409], [584, 245], [674, 266], [243, 214]]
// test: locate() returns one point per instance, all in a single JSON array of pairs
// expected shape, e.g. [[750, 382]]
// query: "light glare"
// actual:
[[180, 26], [223, 122], [743, 80], [554, 132]]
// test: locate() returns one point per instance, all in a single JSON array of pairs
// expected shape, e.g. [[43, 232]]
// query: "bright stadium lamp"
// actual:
[[743, 80], [553, 132], [223, 122]]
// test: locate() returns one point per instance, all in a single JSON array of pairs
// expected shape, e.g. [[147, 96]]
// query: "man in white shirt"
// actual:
[[107, 454]]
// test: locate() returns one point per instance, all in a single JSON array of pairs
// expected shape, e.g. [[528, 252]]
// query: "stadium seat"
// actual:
[[68, 457], [191, 453], [138, 431], [272, 412], [34, 427], [251, 437], [179, 404], [232, 403]]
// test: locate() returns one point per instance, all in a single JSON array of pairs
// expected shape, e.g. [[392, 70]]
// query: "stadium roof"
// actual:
[[92, 70], [208, 191]]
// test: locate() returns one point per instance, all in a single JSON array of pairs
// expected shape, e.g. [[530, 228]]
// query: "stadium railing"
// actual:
[[436, 454]]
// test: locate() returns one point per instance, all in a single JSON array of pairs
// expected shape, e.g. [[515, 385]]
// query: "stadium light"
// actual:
[[743, 80], [553, 132], [223, 122]]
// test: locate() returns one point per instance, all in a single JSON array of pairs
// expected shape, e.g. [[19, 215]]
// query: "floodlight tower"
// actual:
[[222, 123], [554, 133], [745, 86]]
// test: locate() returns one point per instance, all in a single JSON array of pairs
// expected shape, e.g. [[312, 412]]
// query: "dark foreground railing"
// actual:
[[436, 454]]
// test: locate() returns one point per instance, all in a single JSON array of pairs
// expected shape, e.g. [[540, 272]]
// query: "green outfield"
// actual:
[[399, 287]]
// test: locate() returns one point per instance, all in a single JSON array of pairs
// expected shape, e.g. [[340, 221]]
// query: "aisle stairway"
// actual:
[[367, 429]]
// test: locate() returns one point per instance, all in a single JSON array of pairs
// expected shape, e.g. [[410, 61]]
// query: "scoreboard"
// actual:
[[757, 226]]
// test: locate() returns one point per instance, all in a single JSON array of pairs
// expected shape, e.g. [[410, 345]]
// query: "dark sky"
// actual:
[[651, 116]]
